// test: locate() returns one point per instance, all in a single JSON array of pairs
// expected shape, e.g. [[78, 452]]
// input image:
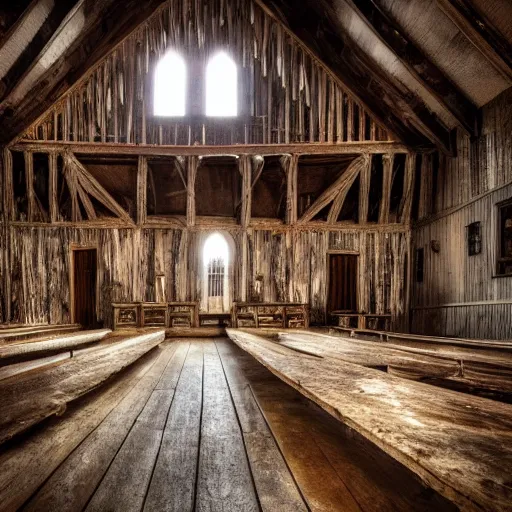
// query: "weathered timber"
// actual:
[[72, 483], [344, 181], [224, 477], [65, 383], [124, 490], [12, 370], [334, 467], [374, 13], [274, 482], [58, 343], [420, 428], [484, 36], [88, 148], [174, 478], [26, 466], [9, 333]]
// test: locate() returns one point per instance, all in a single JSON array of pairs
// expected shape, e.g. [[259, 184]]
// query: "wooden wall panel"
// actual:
[[283, 266], [281, 85], [460, 295]]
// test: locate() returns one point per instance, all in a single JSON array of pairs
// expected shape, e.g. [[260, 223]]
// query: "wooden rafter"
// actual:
[[91, 186], [417, 62], [330, 194], [338, 203], [491, 44]]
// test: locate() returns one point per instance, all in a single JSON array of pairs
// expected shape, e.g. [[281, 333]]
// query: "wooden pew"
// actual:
[[270, 314], [459, 445], [153, 314]]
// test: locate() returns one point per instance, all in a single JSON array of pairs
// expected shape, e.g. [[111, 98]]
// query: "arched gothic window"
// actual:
[[216, 260], [170, 89], [221, 86]]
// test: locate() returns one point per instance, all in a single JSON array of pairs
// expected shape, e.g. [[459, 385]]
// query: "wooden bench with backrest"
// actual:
[[270, 315]]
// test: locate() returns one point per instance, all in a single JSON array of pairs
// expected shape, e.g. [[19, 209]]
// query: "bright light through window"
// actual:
[[170, 86], [221, 87], [215, 248]]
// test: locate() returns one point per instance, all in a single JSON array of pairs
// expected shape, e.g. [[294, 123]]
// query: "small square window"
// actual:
[[474, 239], [505, 238]]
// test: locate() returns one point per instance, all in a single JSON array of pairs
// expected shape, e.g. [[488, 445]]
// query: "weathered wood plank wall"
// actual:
[[460, 295], [283, 266], [287, 94]]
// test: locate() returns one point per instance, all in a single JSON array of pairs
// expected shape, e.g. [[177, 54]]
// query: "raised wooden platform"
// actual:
[[200, 425], [458, 444], [10, 333]]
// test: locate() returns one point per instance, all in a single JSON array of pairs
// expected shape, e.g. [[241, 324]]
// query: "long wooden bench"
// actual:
[[472, 369], [459, 445], [419, 338], [270, 314], [11, 333], [28, 399], [363, 321], [155, 314]]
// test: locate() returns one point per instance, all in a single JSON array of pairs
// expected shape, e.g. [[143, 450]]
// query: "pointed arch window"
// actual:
[[170, 89], [221, 86]]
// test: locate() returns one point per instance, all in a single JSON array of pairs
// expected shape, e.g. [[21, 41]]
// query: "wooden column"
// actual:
[[8, 215], [387, 176], [425, 204], [29, 182], [192, 166], [245, 168], [410, 172], [142, 187], [52, 187], [290, 165], [364, 195]]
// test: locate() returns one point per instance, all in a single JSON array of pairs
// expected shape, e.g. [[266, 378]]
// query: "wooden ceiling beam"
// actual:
[[97, 149], [96, 39], [36, 47], [398, 108], [491, 44], [421, 67]]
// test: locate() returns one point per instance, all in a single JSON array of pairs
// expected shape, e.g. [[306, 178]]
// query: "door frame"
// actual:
[[72, 249], [328, 279]]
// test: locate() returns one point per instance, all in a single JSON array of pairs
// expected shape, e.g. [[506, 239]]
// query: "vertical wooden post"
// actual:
[[142, 186], [52, 187], [245, 168], [192, 166], [245, 266], [410, 172], [8, 215], [29, 182], [387, 176], [290, 165], [424, 207], [364, 195]]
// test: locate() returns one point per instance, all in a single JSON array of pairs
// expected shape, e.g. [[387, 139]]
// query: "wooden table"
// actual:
[[459, 445]]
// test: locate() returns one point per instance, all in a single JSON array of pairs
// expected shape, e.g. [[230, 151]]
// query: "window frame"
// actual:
[[507, 203]]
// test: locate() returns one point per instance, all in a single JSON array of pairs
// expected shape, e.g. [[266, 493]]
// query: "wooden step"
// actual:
[[30, 398]]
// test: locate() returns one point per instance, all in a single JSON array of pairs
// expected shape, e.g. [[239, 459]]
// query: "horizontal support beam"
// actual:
[[206, 224], [90, 148]]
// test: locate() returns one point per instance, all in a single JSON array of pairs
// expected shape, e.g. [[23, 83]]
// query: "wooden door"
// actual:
[[342, 283], [84, 287]]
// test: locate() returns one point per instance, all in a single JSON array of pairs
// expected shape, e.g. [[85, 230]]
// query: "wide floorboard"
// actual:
[[201, 425]]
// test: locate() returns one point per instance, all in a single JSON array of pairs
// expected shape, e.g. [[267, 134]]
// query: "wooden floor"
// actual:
[[200, 425]]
